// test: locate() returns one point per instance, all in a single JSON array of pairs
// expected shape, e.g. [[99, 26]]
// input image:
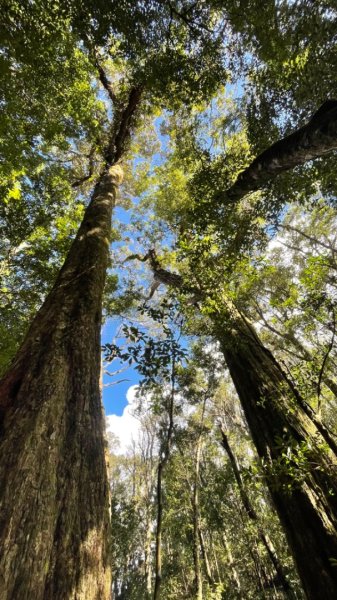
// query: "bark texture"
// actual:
[[300, 468], [54, 525]]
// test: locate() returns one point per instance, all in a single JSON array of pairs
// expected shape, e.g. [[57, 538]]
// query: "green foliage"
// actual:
[[195, 134], [152, 357]]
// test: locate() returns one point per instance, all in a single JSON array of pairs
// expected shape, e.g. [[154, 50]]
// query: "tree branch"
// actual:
[[160, 275], [81, 180], [117, 144], [187, 20], [137, 257], [105, 81], [316, 138], [329, 348]]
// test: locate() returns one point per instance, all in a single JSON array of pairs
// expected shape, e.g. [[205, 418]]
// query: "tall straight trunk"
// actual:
[[54, 527], [297, 453], [148, 557], [204, 555], [158, 553], [214, 558], [231, 564], [250, 510], [196, 523], [165, 456]]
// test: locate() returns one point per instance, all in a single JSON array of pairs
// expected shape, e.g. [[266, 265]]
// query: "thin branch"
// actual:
[[330, 346], [79, 182], [114, 373], [189, 22], [105, 385], [105, 81], [136, 257], [311, 238]]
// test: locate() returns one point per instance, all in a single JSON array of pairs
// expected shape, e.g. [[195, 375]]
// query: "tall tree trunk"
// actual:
[[231, 564], [214, 558], [165, 456], [54, 527], [299, 467], [204, 555], [196, 522], [158, 554], [277, 416], [148, 556]]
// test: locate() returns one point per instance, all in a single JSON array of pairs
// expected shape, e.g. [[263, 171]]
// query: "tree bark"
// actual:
[[54, 527], [316, 138], [303, 486]]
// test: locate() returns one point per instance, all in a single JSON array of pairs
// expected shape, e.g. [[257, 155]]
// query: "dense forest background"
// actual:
[[170, 165]]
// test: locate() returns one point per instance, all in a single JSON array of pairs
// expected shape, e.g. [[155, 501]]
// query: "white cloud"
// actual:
[[126, 427]]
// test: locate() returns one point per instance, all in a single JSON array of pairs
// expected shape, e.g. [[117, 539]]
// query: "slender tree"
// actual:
[[252, 514]]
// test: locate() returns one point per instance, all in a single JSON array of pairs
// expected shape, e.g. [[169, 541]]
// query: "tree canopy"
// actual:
[[212, 127]]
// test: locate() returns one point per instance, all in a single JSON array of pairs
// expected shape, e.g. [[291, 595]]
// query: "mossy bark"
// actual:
[[299, 465], [54, 526]]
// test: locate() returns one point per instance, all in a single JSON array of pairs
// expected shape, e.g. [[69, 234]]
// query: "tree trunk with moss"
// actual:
[[297, 452], [54, 528]]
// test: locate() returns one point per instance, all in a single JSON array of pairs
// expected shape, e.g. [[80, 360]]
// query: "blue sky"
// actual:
[[114, 397]]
